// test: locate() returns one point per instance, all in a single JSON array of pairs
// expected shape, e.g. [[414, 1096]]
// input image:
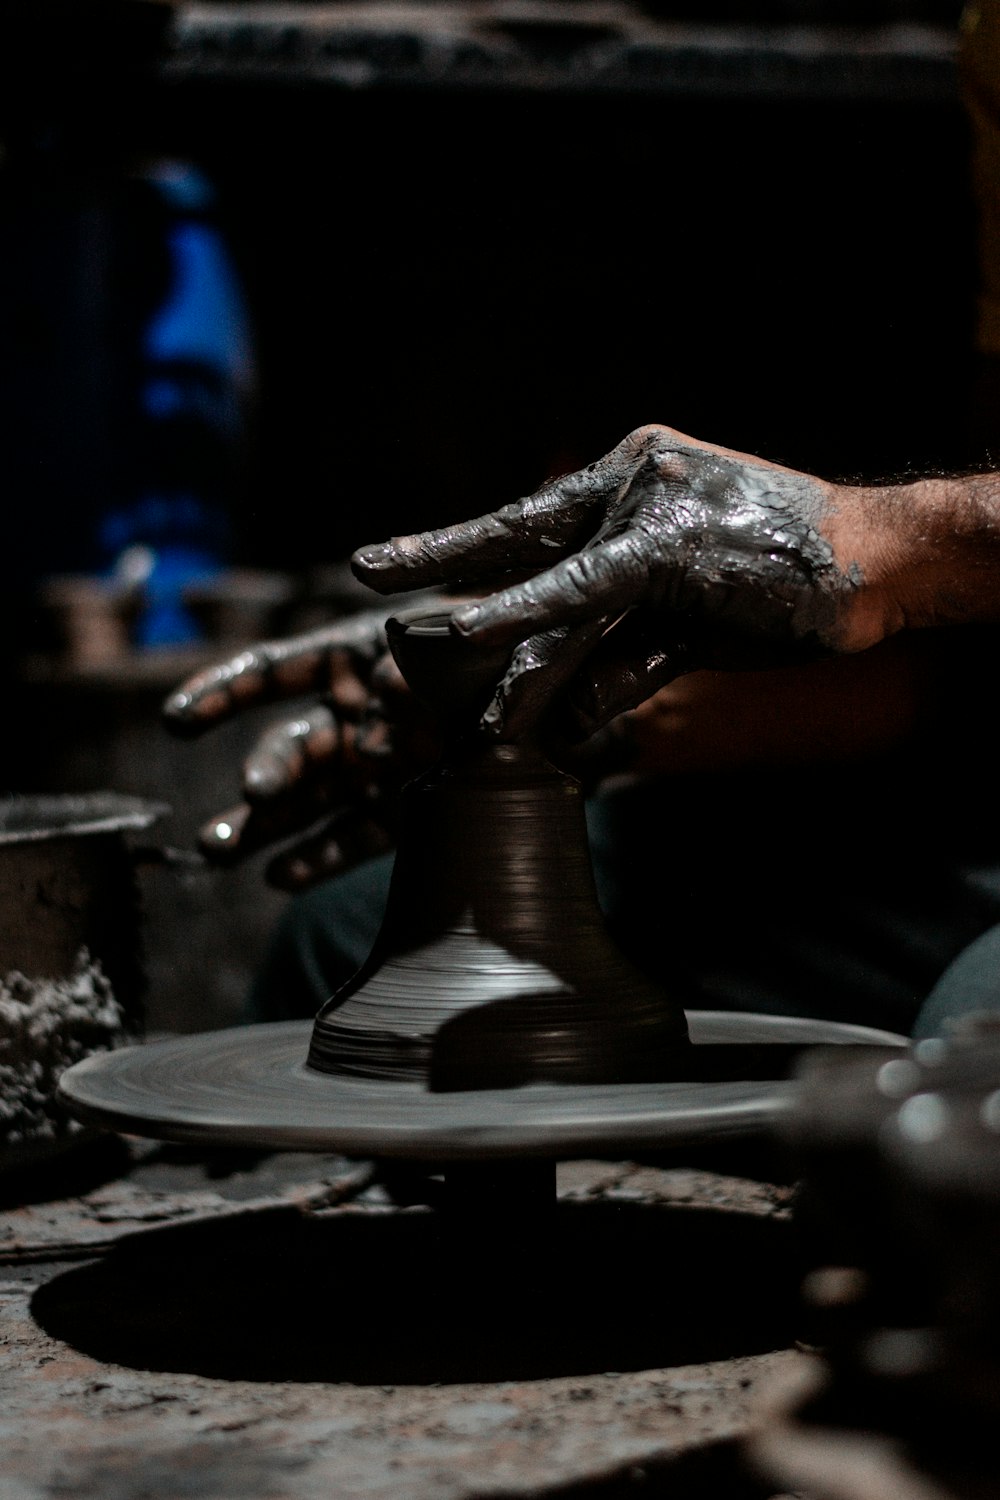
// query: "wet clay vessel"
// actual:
[[495, 1021], [493, 967]]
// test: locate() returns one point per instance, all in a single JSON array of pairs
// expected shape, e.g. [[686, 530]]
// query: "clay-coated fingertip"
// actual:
[[265, 778], [177, 718], [367, 563], [464, 621], [494, 721]]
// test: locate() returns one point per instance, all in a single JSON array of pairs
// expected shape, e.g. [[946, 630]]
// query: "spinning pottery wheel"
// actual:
[[495, 1018]]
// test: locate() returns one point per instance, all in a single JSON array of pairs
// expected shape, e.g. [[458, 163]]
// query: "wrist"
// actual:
[[925, 553]]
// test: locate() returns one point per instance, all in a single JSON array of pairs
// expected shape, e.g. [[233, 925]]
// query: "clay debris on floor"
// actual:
[[176, 1324]]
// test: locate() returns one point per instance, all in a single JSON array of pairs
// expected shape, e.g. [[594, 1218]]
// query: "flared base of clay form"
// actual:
[[494, 967]]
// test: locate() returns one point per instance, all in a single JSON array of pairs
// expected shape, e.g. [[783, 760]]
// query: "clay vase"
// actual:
[[493, 967]]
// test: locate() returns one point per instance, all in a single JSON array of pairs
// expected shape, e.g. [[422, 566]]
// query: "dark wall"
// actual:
[[457, 296], [453, 296]]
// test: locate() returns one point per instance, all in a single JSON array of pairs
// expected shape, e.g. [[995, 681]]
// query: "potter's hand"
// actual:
[[340, 760], [664, 556]]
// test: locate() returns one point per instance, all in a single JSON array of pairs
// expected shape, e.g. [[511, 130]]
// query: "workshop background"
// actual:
[[277, 280]]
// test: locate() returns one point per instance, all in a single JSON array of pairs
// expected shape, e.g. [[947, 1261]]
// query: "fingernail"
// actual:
[[372, 557], [465, 620]]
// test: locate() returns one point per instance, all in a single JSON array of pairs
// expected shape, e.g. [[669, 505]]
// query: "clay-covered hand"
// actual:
[[322, 783], [664, 556]]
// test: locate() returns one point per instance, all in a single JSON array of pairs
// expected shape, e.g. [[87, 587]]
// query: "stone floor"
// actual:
[[266, 1326]]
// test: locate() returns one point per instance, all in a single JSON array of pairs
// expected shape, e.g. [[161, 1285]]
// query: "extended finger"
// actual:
[[245, 829], [601, 581], [555, 520], [630, 663], [538, 669], [286, 752], [323, 659]]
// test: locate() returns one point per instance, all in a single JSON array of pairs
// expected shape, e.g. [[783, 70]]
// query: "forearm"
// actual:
[[926, 553]]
